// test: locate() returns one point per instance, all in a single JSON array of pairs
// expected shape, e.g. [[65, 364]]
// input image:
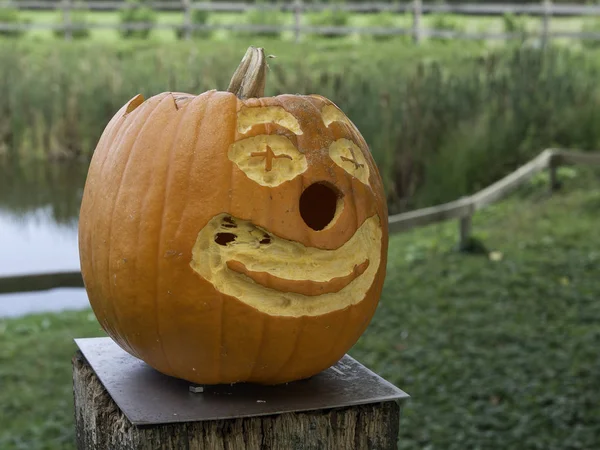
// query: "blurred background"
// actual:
[[497, 345]]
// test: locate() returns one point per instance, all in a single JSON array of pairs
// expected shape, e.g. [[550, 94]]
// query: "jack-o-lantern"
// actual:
[[228, 237]]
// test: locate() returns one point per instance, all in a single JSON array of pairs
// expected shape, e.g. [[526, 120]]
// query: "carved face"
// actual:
[[225, 240], [281, 276]]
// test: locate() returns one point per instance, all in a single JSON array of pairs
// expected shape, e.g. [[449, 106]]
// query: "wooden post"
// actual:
[[297, 19], [554, 183], [553, 172], [465, 226], [101, 424], [547, 5], [417, 13], [187, 19], [67, 24]]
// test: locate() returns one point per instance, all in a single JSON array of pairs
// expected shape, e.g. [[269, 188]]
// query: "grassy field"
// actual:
[[499, 350]]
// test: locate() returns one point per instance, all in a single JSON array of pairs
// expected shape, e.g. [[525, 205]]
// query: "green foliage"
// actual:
[[333, 17], [500, 351], [36, 399], [138, 14], [591, 26], [79, 17], [384, 20], [515, 24], [446, 22], [11, 16], [263, 17], [199, 17]]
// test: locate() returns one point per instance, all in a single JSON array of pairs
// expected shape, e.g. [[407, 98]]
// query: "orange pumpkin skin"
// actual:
[[159, 174]]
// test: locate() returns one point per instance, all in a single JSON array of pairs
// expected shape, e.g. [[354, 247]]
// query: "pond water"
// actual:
[[39, 204]]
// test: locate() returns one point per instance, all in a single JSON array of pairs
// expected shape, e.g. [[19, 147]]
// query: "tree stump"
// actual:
[[101, 424]]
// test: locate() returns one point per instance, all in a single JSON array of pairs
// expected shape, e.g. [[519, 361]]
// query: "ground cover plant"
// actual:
[[497, 349]]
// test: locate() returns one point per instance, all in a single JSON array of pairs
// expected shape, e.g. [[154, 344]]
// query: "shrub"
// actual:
[[199, 17], [384, 20], [79, 18], [11, 16], [446, 22], [137, 13], [515, 25], [259, 16], [591, 26], [333, 17]]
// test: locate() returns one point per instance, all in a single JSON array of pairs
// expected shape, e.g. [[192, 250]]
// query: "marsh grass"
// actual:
[[442, 120]]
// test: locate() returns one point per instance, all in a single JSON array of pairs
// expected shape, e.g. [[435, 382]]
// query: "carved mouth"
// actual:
[[304, 287], [283, 277]]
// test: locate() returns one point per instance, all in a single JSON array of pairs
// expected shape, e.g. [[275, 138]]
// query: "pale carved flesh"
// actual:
[[349, 157], [248, 117], [226, 244], [269, 160]]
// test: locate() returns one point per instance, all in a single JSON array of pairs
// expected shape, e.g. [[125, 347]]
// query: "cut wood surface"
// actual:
[[100, 424]]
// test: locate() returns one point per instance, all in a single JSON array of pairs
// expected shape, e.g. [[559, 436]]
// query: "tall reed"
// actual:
[[441, 120]]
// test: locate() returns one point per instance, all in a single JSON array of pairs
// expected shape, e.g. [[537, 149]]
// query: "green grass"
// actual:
[[498, 350], [36, 400]]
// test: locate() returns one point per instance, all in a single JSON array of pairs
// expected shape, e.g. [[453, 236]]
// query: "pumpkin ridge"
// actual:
[[115, 202], [221, 296], [118, 132], [282, 368], [201, 123], [168, 182], [257, 356], [113, 128]]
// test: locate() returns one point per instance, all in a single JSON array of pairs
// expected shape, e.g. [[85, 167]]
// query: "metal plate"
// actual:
[[148, 397]]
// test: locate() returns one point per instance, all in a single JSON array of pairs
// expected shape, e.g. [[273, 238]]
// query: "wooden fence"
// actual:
[[462, 209], [545, 10]]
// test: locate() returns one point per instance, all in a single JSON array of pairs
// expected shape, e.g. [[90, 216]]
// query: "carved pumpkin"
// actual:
[[227, 238]]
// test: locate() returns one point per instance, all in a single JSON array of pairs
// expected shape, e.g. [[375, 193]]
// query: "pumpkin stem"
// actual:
[[248, 81]]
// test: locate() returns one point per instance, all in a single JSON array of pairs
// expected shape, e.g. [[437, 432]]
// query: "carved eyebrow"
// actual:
[[330, 114], [248, 117]]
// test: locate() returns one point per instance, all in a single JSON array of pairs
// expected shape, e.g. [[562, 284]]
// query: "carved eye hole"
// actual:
[[269, 160], [349, 157]]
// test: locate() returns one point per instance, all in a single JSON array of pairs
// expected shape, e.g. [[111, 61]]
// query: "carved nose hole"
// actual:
[[318, 205]]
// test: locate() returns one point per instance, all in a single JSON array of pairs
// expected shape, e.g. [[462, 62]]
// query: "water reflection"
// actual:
[[39, 205], [55, 188]]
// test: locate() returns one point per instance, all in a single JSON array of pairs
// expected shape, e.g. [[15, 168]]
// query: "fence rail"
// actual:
[[462, 209], [545, 9]]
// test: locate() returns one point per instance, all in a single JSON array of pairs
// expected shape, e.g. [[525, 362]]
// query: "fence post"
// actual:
[[67, 24], [417, 12], [464, 227], [297, 19], [553, 172], [547, 5], [187, 19]]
